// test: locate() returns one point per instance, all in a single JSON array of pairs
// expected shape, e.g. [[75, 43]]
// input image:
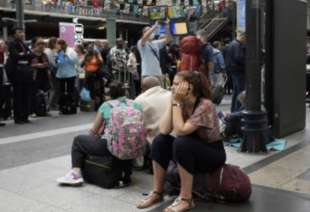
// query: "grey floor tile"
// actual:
[[98, 203], [56, 195], [11, 202]]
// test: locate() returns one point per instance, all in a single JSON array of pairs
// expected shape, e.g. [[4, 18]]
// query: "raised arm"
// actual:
[[148, 33], [180, 126], [168, 36]]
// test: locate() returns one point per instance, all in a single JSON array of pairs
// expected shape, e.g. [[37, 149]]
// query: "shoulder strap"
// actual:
[[154, 51]]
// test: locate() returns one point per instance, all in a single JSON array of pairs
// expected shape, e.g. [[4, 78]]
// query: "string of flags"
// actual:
[[155, 9], [159, 9]]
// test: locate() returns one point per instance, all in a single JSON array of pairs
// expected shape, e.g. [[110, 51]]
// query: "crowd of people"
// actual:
[[180, 121]]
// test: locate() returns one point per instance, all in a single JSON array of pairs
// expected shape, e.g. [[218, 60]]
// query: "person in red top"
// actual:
[[96, 3], [222, 5], [96, 6]]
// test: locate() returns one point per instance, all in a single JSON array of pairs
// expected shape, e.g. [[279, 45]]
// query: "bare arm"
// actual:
[[165, 126], [210, 66], [148, 33], [168, 36], [97, 126], [181, 128]]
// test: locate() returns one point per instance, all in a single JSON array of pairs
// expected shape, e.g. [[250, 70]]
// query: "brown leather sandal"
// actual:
[[176, 203], [151, 199]]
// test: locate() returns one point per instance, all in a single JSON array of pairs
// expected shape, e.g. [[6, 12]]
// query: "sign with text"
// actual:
[[67, 33]]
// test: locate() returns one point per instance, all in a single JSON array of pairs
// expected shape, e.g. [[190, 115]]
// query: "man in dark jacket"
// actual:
[[20, 72], [235, 61]]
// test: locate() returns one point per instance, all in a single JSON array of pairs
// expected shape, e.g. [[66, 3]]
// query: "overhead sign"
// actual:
[[72, 33], [67, 33], [79, 33]]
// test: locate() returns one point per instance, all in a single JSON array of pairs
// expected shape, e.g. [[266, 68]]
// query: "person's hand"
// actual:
[[156, 23], [181, 91], [225, 77], [40, 65], [92, 132], [168, 22]]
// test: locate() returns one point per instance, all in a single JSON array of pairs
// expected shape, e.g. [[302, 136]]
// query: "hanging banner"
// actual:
[[67, 33], [157, 13], [176, 12]]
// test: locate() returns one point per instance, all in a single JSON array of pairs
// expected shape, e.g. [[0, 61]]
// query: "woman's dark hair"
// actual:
[[15, 29], [34, 41], [52, 43], [200, 83], [116, 89], [62, 43], [80, 47], [216, 44]]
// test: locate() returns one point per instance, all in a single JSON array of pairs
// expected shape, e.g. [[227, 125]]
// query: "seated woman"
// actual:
[[96, 145], [197, 147]]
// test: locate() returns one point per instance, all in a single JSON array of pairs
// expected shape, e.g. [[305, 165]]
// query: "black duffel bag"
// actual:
[[102, 171]]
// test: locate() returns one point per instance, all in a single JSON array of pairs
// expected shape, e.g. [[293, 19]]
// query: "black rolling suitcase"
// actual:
[[68, 103], [102, 171], [41, 99]]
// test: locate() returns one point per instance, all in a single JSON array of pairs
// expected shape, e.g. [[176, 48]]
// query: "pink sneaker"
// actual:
[[72, 178]]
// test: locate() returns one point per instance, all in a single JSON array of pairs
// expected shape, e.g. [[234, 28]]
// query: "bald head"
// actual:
[[149, 82]]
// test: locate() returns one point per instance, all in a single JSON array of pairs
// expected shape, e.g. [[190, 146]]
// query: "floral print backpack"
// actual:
[[127, 135]]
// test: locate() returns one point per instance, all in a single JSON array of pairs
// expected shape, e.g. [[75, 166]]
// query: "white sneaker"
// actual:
[[71, 178]]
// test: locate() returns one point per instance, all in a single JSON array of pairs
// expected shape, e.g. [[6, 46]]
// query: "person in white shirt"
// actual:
[[154, 100], [149, 50]]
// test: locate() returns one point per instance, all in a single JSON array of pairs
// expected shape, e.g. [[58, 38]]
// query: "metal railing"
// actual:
[[76, 10]]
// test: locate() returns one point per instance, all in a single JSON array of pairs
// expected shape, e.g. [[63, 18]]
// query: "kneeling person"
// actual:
[[98, 141]]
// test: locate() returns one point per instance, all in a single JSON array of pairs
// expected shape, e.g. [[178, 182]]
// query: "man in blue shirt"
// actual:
[[149, 50], [235, 61], [206, 53]]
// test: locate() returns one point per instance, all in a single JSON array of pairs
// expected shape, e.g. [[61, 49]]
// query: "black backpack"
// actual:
[[41, 103]]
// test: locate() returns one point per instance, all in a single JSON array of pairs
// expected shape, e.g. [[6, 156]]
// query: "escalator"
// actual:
[[215, 26], [214, 22]]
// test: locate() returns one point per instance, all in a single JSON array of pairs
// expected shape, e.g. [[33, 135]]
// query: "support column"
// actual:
[[255, 120], [5, 31], [20, 16], [111, 29]]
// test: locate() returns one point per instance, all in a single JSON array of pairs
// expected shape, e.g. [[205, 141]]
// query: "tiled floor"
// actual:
[[33, 186], [289, 173]]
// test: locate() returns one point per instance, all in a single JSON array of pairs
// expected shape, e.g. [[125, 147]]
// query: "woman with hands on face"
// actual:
[[196, 145]]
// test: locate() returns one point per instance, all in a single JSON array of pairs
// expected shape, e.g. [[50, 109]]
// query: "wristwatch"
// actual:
[[176, 104]]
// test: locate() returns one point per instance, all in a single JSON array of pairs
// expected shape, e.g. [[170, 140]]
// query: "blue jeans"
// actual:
[[238, 87]]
